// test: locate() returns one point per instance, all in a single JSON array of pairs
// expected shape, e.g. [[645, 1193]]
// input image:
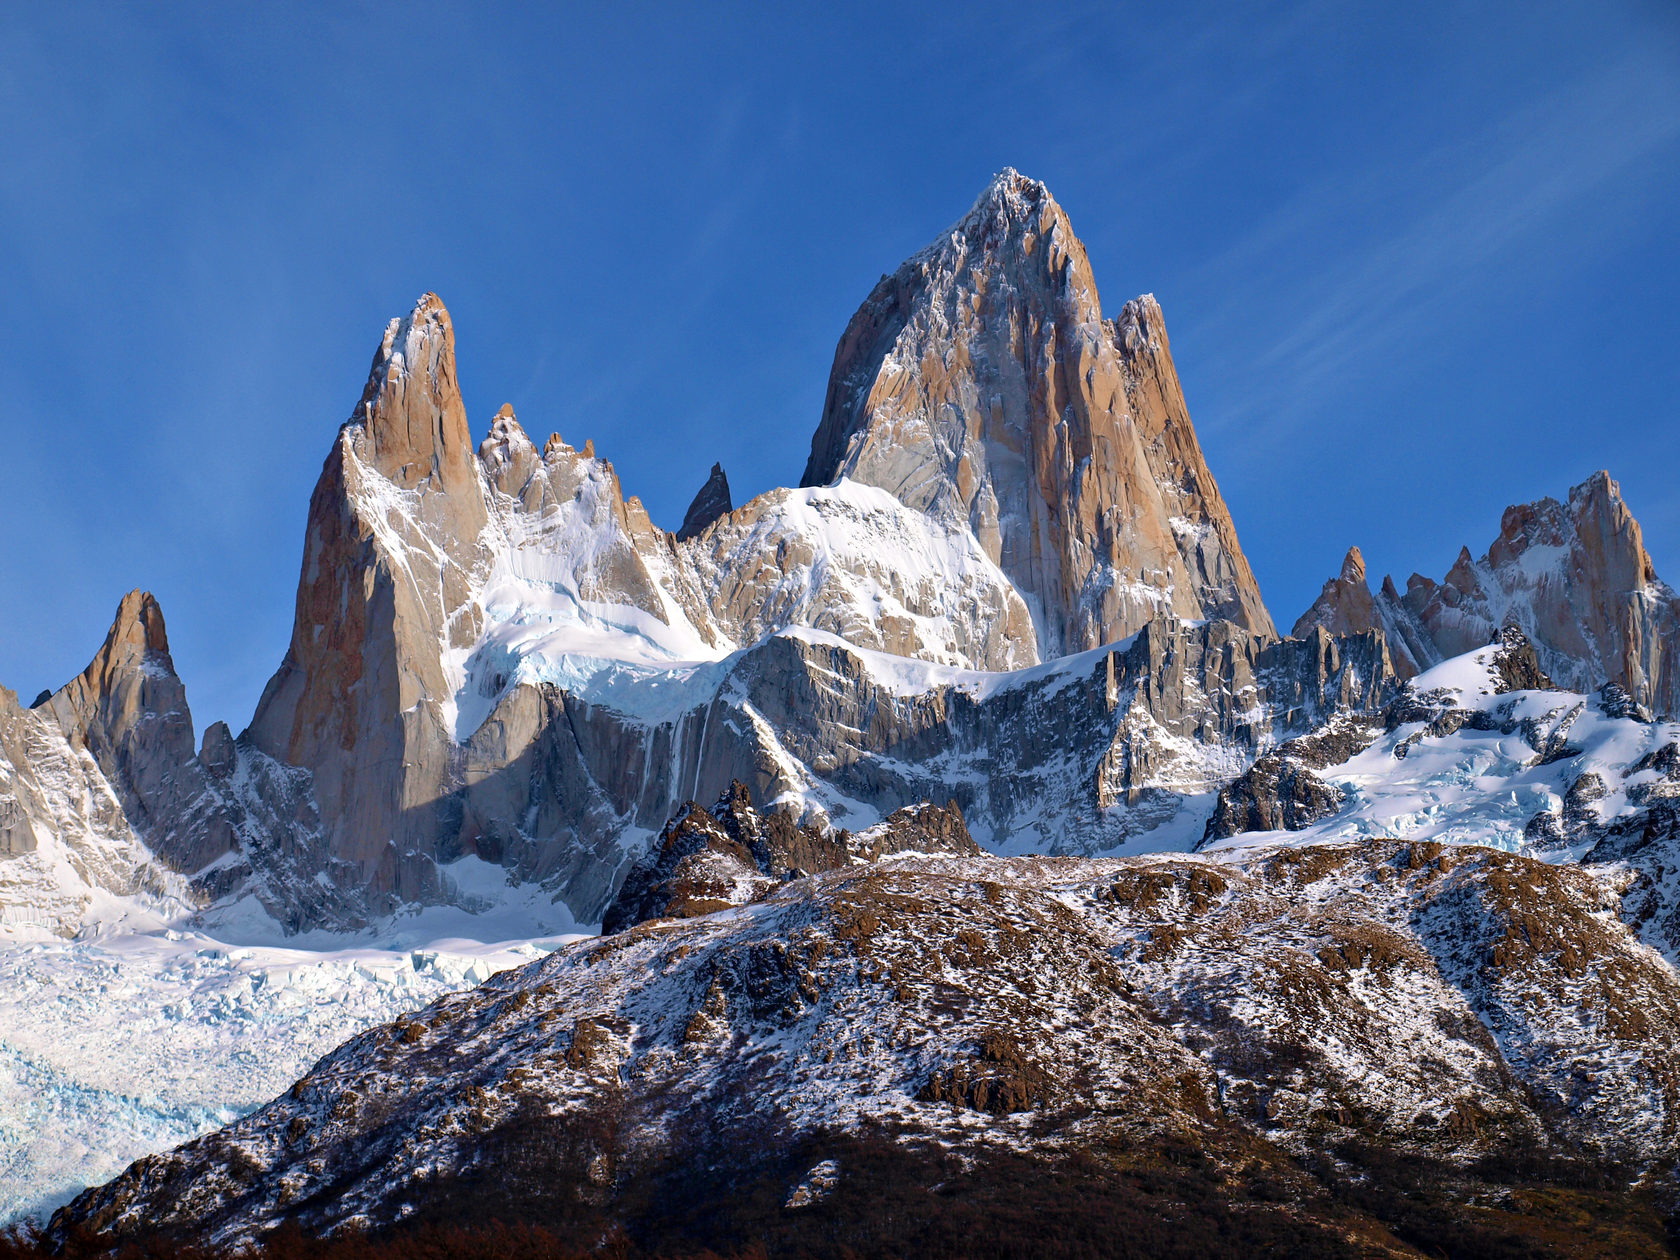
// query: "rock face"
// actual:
[[129, 710], [65, 839], [1280, 791], [730, 855], [391, 555], [1345, 605], [1575, 577], [1452, 1011], [922, 829], [712, 502], [980, 383], [1201, 523], [706, 860]]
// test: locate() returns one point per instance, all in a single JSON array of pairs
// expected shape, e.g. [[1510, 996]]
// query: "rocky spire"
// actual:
[[712, 502], [1155, 398], [980, 383], [128, 708], [363, 696], [1345, 605], [415, 424]]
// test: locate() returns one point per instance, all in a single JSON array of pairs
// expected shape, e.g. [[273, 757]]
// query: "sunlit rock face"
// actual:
[[980, 384]]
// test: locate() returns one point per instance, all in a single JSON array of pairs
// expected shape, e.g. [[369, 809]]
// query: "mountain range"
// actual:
[[1033, 839]]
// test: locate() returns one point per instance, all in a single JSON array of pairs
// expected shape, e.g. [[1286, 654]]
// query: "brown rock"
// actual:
[[363, 699], [980, 383], [1207, 537]]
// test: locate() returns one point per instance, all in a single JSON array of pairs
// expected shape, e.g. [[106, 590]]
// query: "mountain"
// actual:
[[1575, 577], [1038, 859], [980, 383], [498, 661], [497, 655]]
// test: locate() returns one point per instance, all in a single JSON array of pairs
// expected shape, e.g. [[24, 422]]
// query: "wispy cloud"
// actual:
[[1456, 212]]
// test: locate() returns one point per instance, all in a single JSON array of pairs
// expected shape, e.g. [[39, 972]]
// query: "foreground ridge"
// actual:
[[1402, 1001]]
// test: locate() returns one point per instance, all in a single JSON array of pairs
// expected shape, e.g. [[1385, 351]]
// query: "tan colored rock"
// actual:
[[980, 383], [1201, 523], [1346, 606], [129, 709], [1574, 577], [392, 555]]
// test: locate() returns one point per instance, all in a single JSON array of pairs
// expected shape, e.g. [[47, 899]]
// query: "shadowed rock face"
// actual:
[[1575, 577], [707, 860], [712, 502], [980, 383]]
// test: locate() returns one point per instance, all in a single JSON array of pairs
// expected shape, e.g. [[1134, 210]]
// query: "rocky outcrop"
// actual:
[[923, 829], [1345, 605], [981, 384], [711, 502], [733, 854], [707, 860], [1280, 792], [1516, 665], [65, 838], [1575, 577]]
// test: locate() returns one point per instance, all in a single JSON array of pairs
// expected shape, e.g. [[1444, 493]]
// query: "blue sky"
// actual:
[[1417, 262]]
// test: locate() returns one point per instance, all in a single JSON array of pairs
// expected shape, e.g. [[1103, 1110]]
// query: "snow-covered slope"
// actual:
[[1466, 759], [123, 1042]]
